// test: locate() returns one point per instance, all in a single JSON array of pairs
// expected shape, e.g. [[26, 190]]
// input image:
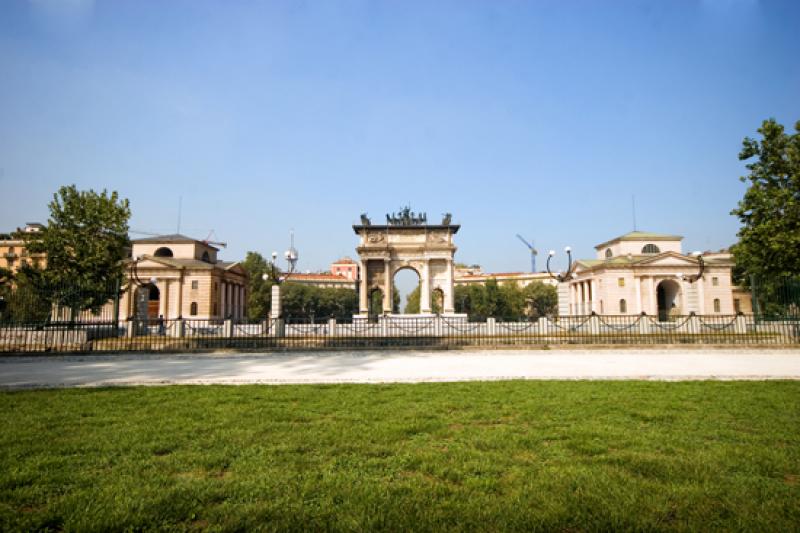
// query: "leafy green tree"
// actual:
[[769, 239], [85, 240], [259, 290], [412, 302], [541, 300]]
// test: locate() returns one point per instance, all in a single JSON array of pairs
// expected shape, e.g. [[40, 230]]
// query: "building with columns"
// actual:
[[648, 272], [175, 276], [406, 241]]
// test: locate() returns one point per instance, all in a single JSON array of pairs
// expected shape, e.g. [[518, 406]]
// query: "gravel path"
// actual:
[[397, 366]]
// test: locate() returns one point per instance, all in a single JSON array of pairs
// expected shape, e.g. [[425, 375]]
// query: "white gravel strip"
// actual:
[[398, 366]]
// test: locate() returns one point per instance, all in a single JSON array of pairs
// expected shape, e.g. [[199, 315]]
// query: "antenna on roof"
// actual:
[[633, 202]]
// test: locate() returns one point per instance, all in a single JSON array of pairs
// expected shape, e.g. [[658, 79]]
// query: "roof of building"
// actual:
[[172, 238], [344, 261], [503, 275], [190, 263], [318, 277], [641, 236]]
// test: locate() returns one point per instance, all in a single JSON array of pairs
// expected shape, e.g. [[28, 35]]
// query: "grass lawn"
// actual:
[[470, 456]]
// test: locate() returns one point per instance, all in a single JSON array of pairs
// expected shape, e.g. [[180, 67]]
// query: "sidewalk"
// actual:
[[397, 366]]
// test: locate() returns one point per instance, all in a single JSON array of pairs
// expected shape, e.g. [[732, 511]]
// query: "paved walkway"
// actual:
[[397, 366]]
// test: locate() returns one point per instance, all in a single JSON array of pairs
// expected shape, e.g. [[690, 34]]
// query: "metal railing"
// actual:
[[178, 335]]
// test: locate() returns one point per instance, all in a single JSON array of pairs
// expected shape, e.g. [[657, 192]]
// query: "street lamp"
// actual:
[[701, 267], [274, 274], [559, 276]]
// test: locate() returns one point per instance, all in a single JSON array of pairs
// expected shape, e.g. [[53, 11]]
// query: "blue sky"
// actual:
[[541, 118]]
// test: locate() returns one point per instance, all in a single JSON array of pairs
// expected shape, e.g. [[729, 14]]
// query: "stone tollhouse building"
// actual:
[[648, 272]]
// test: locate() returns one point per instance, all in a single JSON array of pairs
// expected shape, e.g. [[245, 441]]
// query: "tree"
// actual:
[[541, 300], [85, 240], [412, 301], [769, 239], [259, 290]]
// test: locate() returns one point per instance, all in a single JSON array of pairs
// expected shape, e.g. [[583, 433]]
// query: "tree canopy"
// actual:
[[85, 241], [769, 239]]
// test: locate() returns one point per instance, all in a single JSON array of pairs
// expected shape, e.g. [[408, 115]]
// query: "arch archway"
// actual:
[[406, 240], [406, 286], [668, 298], [163, 252], [148, 301], [375, 302]]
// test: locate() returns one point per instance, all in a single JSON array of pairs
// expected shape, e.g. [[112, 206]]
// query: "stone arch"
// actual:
[[668, 294], [398, 306], [147, 300], [163, 252], [406, 242]]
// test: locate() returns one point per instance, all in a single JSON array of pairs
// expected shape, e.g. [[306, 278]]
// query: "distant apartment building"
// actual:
[[343, 275], [14, 251]]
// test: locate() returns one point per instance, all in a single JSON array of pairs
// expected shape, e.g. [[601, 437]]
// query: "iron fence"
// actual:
[[168, 335]]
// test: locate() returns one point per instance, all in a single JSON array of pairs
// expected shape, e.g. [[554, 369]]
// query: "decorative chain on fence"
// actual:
[[102, 334]]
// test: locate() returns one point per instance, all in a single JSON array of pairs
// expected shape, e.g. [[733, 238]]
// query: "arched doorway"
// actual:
[[668, 298], [437, 301], [375, 303], [148, 300], [406, 291]]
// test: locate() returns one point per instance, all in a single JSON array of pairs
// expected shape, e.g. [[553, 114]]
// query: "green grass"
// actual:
[[463, 456]]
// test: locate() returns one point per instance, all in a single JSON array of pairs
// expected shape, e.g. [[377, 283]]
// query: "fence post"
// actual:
[[594, 324], [693, 325], [180, 328], [644, 325], [227, 330], [280, 327], [491, 324], [544, 325], [741, 324], [332, 327], [130, 328]]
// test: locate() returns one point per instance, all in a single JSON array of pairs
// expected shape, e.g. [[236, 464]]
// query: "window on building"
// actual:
[[193, 309], [608, 253], [621, 282], [206, 257], [623, 306], [650, 249], [715, 281], [716, 305], [195, 284], [163, 252]]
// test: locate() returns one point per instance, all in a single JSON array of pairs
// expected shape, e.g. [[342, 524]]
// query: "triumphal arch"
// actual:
[[406, 240]]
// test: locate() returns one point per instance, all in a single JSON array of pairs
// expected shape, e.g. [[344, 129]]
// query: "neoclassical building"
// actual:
[[175, 276], [648, 272]]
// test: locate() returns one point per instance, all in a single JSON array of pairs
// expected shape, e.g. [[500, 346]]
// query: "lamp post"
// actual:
[[559, 276], [701, 265], [275, 276]]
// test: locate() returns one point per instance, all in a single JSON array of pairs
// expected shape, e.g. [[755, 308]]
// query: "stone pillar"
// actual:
[[363, 290], [223, 300], [425, 289], [275, 307], [653, 301], [447, 302], [701, 297], [638, 285], [387, 286], [564, 297], [331, 327], [179, 306], [593, 295]]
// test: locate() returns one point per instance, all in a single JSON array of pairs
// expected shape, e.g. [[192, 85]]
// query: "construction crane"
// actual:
[[533, 252]]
